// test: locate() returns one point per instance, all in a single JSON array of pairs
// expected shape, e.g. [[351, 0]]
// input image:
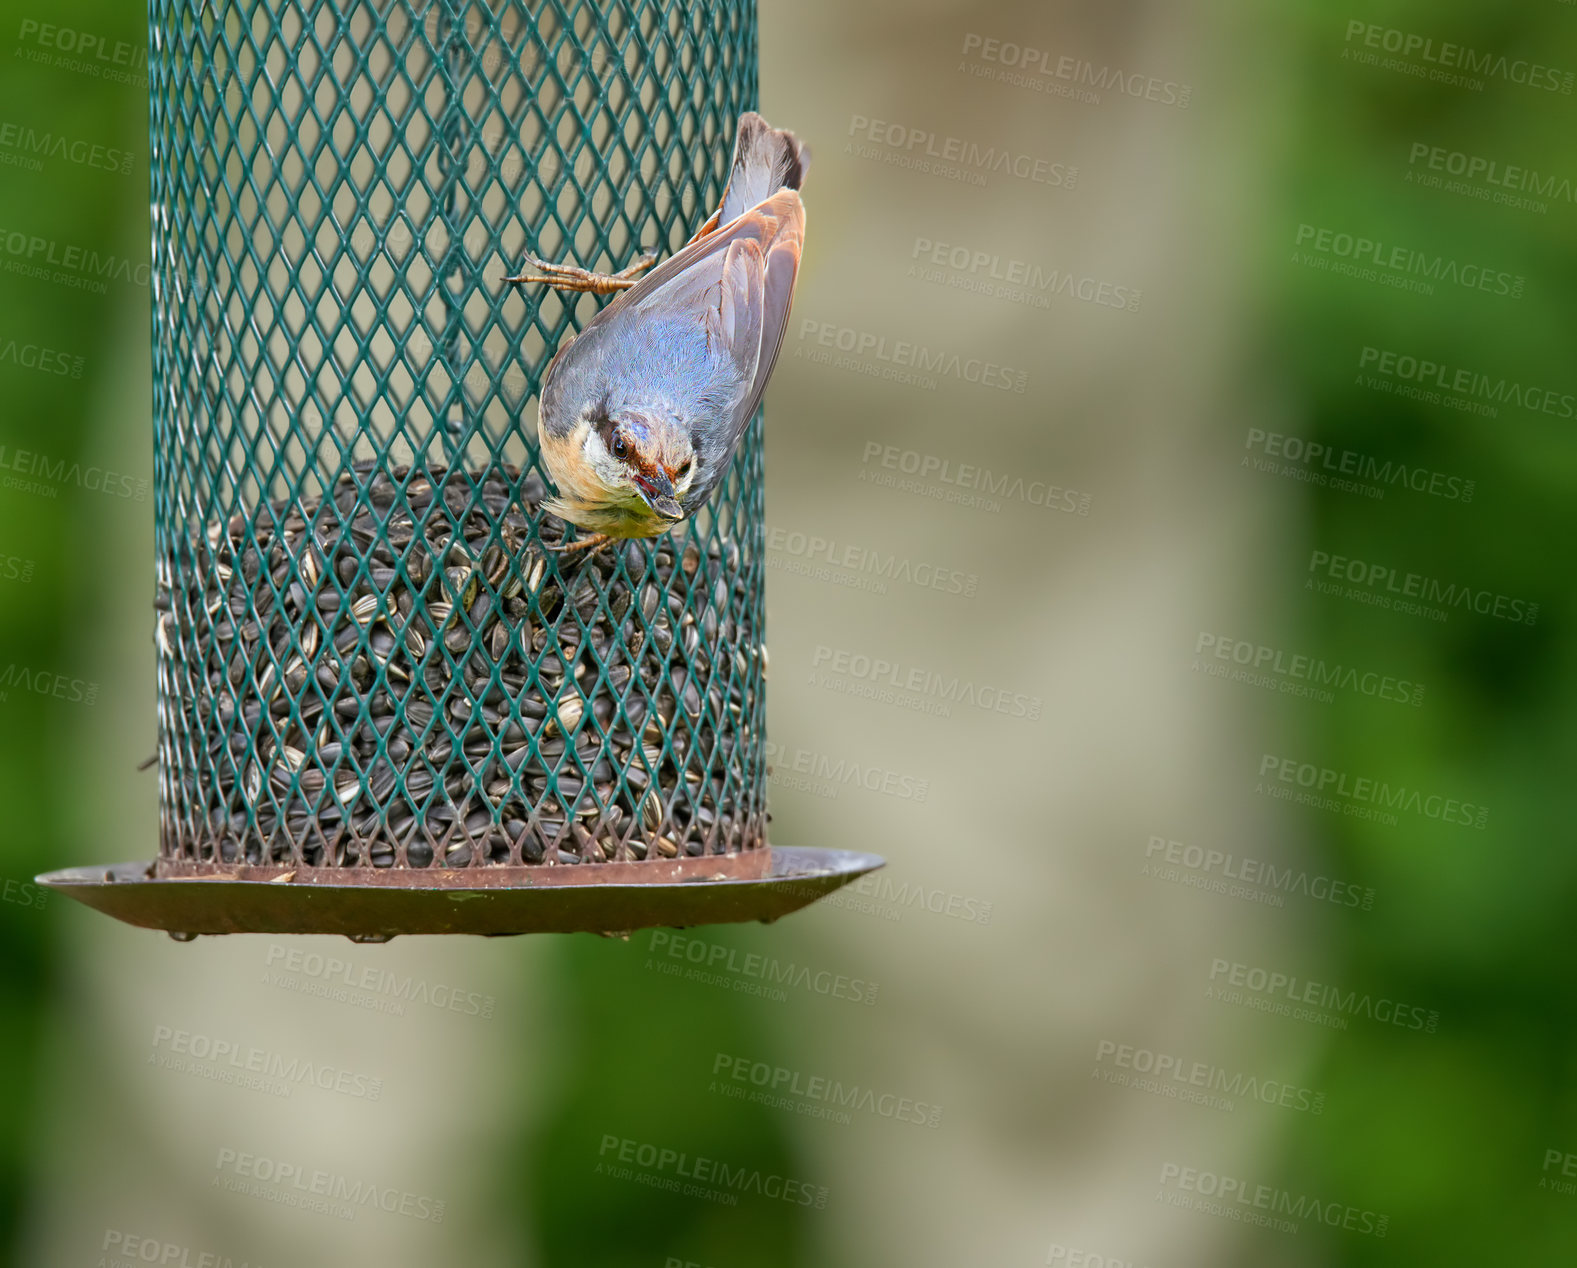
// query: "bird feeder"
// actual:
[[386, 704]]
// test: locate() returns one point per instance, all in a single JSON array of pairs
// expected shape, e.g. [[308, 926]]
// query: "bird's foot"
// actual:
[[571, 277], [589, 545]]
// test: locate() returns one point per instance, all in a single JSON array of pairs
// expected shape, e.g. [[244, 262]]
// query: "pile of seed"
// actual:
[[396, 676]]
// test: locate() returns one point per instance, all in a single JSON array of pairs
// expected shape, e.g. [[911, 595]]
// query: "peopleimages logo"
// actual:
[[967, 484], [262, 1069], [1441, 58], [1295, 673], [33, 356], [1288, 995], [1260, 1204], [1314, 462], [325, 1192], [899, 896], [901, 360], [38, 473], [1497, 182], [45, 682], [813, 1096], [876, 678], [1330, 784], [1563, 1164], [52, 261], [1221, 871], [131, 1248], [22, 893], [1427, 379], [1405, 268], [681, 1172], [87, 52], [840, 772], [1022, 281], [313, 973], [1066, 75], [750, 973], [815, 551], [15, 568], [951, 156], [1195, 1082], [1060, 1256], [1388, 583], [33, 146]]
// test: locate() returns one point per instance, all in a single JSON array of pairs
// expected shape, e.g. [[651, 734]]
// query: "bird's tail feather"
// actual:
[[766, 159]]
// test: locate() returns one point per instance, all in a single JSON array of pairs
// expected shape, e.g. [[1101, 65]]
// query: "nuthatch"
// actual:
[[642, 411]]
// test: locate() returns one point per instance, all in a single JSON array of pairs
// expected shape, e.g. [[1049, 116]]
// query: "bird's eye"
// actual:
[[620, 447], [684, 469]]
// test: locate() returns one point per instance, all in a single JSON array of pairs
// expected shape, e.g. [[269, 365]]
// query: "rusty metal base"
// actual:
[[185, 906]]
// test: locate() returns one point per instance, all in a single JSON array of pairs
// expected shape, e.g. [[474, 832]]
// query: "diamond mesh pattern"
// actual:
[[366, 654]]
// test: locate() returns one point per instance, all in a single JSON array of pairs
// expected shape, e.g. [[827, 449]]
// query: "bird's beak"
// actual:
[[657, 491]]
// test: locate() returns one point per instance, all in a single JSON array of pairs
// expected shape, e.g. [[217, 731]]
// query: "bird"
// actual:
[[641, 412]]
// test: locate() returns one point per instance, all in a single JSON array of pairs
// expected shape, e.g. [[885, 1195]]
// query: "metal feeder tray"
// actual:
[[377, 904]]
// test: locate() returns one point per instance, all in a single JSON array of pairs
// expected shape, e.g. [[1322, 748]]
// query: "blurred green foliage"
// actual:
[[72, 204], [1446, 1132]]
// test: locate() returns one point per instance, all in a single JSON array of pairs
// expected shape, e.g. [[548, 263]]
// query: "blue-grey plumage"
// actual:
[[642, 411]]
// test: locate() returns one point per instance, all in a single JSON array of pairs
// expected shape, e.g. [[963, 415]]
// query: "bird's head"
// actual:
[[641, 457]]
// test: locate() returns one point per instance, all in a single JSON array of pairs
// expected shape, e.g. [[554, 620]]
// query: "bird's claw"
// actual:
[[571, 277], [589, 545]]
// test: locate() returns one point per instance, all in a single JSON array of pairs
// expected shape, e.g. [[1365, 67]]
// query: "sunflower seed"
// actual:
[[652, 810], [567, 712]]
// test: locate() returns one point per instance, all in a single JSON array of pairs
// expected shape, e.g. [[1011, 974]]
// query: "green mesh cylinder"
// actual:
[[367, 654]]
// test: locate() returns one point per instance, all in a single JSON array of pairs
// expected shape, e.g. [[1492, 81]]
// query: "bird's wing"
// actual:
[[722, 291], [731, 308], [739, 284], [779, 225]]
